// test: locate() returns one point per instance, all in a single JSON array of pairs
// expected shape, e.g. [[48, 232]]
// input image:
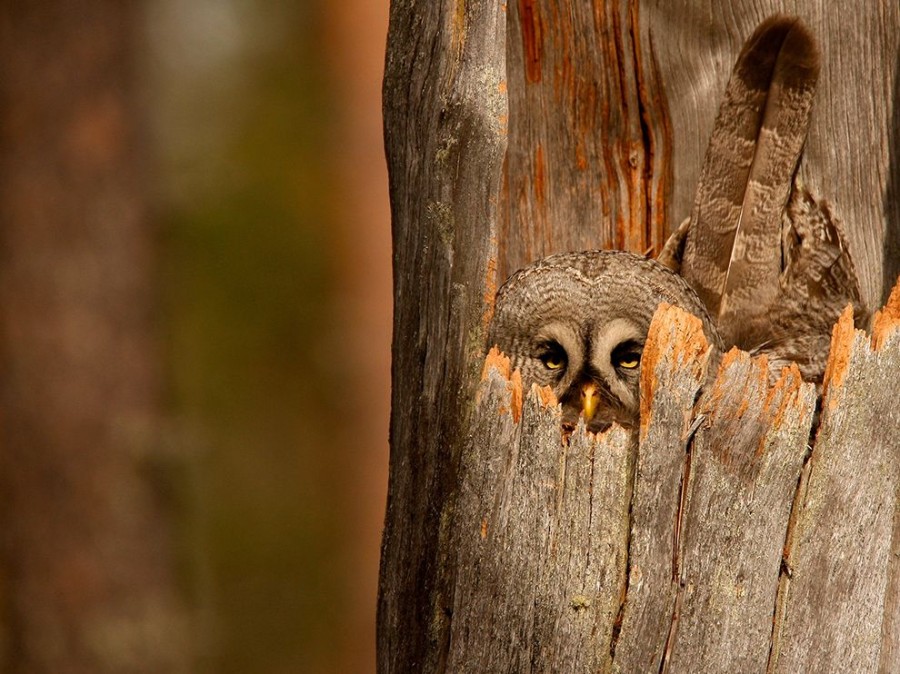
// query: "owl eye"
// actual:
[[553, 358], [627, 355]]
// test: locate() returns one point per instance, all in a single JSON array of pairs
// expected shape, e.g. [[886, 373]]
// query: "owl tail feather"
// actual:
[[732, 253]]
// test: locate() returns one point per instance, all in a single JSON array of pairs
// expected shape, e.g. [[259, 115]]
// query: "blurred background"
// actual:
[[195, 315]]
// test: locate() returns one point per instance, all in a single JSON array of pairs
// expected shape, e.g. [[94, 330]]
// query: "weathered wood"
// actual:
[[670, 380], [589, 139], [841, 554], [591, 556], [883, 327], [610, 109], [445, 117], [540, 539], [745, 464]]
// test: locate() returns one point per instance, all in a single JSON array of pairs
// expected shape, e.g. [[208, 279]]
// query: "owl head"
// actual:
[[577, 322]]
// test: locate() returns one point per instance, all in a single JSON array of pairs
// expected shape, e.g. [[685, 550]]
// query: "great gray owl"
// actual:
[[577, 322], [763, 263]]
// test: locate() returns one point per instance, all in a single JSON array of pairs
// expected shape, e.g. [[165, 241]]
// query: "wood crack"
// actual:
[[623, 599], [677, 541], [786, 570]]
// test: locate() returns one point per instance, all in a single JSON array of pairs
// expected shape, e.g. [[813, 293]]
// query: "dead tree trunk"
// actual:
[[515, 131], [716, 543]]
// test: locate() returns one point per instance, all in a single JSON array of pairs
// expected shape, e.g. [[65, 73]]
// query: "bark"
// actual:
[[445, 126], [86, 562], [491, 558]]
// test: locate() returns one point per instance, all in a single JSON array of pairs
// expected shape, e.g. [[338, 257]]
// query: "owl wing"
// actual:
[[673, 251], [818, 281], [731, 249]]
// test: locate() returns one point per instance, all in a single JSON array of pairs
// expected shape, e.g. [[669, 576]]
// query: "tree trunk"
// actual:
[[673, 553], [504, 550], [88, 583]]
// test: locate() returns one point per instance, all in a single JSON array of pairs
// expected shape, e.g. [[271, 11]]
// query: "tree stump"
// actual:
[[714, 540]]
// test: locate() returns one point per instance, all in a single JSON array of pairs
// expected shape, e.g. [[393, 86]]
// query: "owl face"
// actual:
[[577, 322]]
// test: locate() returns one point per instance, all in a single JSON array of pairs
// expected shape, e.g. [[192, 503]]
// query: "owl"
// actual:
[[577, 322], [761, 261]]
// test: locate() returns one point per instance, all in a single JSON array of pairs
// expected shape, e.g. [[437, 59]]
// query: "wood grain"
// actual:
[[540, 536], [671, 374], [484, 559], [445, 125], [745, 463], [837, 600], [588, 161], [699, 548]]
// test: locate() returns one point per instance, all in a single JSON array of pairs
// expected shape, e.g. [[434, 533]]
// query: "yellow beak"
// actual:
[[589, 400]]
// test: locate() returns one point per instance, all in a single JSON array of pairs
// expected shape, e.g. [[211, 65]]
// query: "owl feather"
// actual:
[[768, 259], [762, 262]]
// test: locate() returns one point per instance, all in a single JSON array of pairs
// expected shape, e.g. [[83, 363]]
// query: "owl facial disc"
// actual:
[[577, 322]]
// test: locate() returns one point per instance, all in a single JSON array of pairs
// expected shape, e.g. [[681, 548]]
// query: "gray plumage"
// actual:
[[768, 258], [762, 263], [578, 319]]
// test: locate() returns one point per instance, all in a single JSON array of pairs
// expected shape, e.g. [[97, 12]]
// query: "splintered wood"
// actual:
[[726, 535], [842, 596]]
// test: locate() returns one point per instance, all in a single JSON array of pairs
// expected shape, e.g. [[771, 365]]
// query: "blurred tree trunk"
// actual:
[[87, 573], [519, 130], [363, 302]]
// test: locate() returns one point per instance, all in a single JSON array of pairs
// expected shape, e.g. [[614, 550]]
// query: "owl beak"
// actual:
[[589, 399]]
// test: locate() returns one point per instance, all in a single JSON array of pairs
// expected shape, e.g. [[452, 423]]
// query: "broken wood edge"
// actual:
[[675, 337], [676, 347], [517, 475], [789, 393], [676, 340], [496, 363], [842, 337], [675, 332], [497, 367], [853, 352], [740, 388], [673, 367], [496, 360], [887, 320], [845, 338]]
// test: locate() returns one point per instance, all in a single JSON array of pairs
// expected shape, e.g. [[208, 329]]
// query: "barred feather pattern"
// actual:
[[817, 282], [767, 257]]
